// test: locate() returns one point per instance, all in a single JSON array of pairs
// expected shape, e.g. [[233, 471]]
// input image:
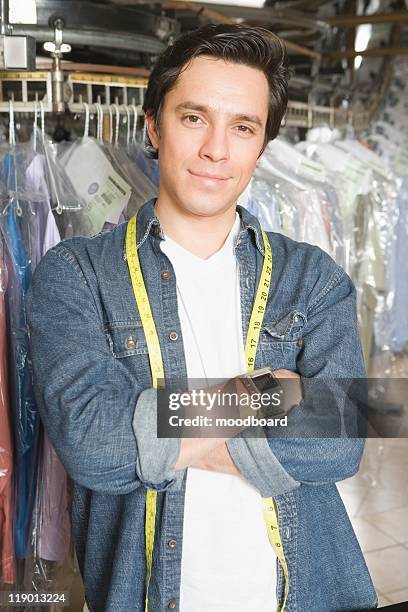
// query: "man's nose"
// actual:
[[215, 145]]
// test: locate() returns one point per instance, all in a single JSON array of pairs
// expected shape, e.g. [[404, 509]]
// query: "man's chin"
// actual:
[[207, 205], [206, 209]]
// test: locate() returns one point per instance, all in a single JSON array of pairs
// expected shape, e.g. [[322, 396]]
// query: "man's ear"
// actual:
[[151, 129]]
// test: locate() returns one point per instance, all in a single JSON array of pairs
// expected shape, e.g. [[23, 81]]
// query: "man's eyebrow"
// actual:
[[205, 109]]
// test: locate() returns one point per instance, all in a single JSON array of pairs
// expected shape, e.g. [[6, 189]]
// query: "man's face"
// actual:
[[210, 134]]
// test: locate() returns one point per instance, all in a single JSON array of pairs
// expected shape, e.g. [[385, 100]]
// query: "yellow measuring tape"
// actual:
[[156, 365]]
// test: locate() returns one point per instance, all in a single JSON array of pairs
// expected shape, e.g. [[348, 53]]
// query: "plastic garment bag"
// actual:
[[376, 255], [398, 278], [149, 167], [261, 199], [388, 137], [343, 198], [289, 187], [47, 181], [103, 190], [24, 410], [314, 199], [42, 531], [142, 188], [139, 171], [110, 183], [50, 557], [367, 195], [60, 190], [7, 559], [50, 536]]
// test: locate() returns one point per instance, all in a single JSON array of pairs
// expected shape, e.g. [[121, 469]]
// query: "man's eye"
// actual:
[[245, 129], [192, 118]]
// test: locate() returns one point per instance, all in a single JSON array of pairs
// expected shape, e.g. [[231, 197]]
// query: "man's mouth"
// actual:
[[211, 177]]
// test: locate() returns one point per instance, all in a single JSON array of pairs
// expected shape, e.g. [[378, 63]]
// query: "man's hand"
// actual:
[[218, 459]]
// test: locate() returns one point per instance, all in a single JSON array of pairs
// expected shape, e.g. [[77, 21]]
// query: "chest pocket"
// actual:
[[285, 333], [126, 339]]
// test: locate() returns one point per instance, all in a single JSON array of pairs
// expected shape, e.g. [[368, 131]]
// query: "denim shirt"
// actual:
[[93, 386]]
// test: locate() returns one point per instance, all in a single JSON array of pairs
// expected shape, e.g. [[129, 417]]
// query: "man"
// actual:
[[214, 100]]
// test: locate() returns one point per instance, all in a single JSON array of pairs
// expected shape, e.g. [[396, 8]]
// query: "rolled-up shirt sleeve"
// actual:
[[258, 465], [156, 457]]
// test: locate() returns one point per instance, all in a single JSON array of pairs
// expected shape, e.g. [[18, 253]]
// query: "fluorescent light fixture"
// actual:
[[357, 61], [362, 39], [250, 3], [22, 11]]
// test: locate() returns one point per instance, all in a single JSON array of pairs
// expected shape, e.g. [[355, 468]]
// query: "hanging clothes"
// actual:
[[398, 278], [149, 167], [293, 196], [388, 138], [7, 566], [53, 525], [343, 198], [109, 183], [24, 409]]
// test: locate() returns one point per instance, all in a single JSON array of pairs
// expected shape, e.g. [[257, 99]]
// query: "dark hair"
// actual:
[[252, 46]]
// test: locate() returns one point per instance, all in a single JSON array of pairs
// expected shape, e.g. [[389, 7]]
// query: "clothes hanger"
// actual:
[[12, 142], [87, 117], [117, 125], [99, 124], [133, 107], [110, 124], [128, 126]]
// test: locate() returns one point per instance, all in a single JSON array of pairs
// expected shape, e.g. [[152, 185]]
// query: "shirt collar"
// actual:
[[148, 222]]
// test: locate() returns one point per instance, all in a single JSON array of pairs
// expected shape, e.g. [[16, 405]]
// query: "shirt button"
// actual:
[[130, 343], [300, 342], [173, 336], [172, 543], [165, 275], [156, 230], [172, 605]]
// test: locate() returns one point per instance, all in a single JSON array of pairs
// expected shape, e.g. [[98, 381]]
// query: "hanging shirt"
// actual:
[[36, 188], [398, 280], [228, 563], [54, 530], [7, 561], [26, 420], [53, 524]]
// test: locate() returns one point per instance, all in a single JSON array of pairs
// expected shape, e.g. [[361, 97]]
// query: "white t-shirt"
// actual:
[[228, 563]]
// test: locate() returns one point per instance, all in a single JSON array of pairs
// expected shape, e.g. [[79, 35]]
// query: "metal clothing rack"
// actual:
[[104, 90], [26, 89]]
